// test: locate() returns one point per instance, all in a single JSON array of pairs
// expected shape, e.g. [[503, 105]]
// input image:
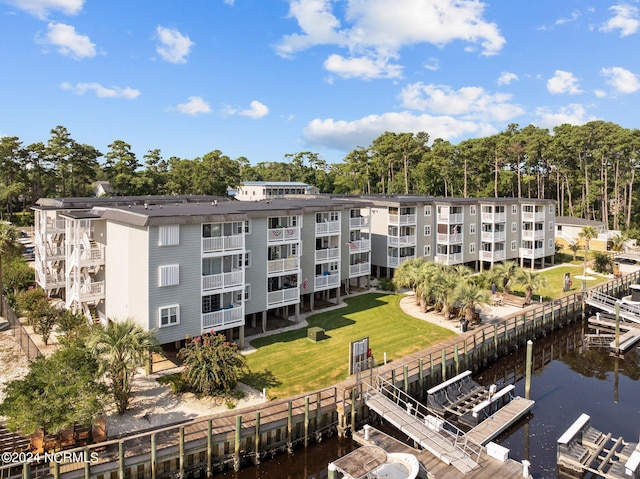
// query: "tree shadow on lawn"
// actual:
[[260, 380], [328, 321]]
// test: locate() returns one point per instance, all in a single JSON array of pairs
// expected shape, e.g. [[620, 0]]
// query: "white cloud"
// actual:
[[469, 103], [101, 91], [433, 64], [506, 78], [625, 18], [68, 42], [174, 47], [574, 114], [41, 8], [621, 79], [347, 135], [230, 2], [256, 110], [375, 30], [365, 68], [195, 106], [563, 82]]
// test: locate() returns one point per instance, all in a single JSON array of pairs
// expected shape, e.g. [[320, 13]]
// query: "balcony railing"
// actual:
[[446, 238], [450, 218], [52, 252], [359, 269], [222, 280], [359, 223], [358, 246], [91, 291], [223, 243], [408, 240], [492, 255], [276, 266], [283, 297], [533, 216], [532, 234], [329, 254], [532, 253], [283, 235], [494, 217], [395, 261], [326, 282], [49, 281], [492, 237], [223, 319], [327, 227], [54, 226], [454, 258], [401, 219]]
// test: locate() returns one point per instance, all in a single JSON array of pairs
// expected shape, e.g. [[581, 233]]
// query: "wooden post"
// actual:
[[121, 460], [443, 364], [331, 469], [289, 428], [617, 327], [154, 457], [318, 412], [181, 452], [257, 443], [56, 470], [421, 377], [237, 440], [495, 340], [456, 358], [405, 373], [353, 410], [26, 470], [306, 421], [527, 384], [87, 463], [209, 448]]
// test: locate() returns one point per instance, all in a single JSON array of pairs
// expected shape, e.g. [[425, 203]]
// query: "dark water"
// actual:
[[566, 382]]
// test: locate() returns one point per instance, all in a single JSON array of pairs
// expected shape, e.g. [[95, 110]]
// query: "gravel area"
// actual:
[[13, 362]]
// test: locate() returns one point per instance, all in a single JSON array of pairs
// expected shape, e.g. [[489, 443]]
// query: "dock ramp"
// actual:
[[441, 438], [629, 311]]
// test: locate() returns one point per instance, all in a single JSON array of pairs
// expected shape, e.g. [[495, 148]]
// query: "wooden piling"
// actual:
[[154, 457]]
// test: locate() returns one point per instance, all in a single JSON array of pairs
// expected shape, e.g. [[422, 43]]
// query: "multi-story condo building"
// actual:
[[187, 265], [271, 190]]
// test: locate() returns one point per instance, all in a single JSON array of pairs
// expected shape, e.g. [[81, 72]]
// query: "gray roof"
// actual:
[[573, 221]]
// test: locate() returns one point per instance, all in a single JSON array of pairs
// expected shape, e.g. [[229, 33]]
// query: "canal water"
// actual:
[[567, 381]]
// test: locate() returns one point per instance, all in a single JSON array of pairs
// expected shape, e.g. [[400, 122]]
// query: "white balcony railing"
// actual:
[[446, 238], [223, 319], [52, 252], [492, 237], [454, 258], [395, 261], [358, 246], [359, 223], [91, 290], [223, 243], [532, 234], [452, 218], [276, 266], [52, 280], [55, 226], [283, 297], [222, 280], [329, 254], [401, 219], [494, 217], [533, 216], [283, 235], [532, 253], [408, 240], [326, 282], [492, 256], [359, 269], [327, 227]]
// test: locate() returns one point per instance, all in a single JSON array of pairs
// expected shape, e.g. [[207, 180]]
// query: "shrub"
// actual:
[[27, 300]]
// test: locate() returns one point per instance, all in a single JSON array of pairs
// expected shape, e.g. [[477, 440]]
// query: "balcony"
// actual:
[[455, 258], [283, 297], [328, 254], [51, 281], [283, 235], [54, 226], [494, 217], [452, 218], [359, 223], [357, 246], [401, 219], [53, 253], [492, 256], [279, 266], [493, 236], [409, 240], [327, 228], [446, 238], [532, 253], [91, 291], [222, 280], [359, 269], [533, 235], [326, 281], [220, 244], [223, 318], [537, 216], [395, 261]]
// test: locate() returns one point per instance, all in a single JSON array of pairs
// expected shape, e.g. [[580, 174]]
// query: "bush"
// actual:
[[176, 383], [29, 299], [386, 284]]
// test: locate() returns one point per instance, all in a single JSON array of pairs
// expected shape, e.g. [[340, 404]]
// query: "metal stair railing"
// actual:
[[608, 303]]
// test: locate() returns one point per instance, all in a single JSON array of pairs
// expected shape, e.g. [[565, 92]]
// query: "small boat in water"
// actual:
[[373, 462]]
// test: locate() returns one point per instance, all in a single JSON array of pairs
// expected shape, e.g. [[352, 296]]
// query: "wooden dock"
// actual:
[[499, 422], [487, 467], [630, 332]]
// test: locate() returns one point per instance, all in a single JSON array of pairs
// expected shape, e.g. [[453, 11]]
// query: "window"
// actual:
[[169, 275], [427, 250], [472, 210], [333, 216], [472, 228], [513, 246], [244, 260], [472, 248], [247, 292], [550, 244], [427, 210], [247, 227], [550, 209], [169, 235], [169, 315], [514, 209], [514, 227], [427, 230], [550, 225]]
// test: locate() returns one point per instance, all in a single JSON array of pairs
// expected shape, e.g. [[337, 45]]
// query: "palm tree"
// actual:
[[574, 247], [444, 284], [617, 242], [8, 244], [531, 282], [505, 273], [467, 295], [121, 348], [587, 234]]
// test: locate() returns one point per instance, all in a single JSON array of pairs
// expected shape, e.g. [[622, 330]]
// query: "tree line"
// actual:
[[589, 169]]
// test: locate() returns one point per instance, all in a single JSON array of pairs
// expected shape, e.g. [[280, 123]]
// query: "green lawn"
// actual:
[[288, 363]]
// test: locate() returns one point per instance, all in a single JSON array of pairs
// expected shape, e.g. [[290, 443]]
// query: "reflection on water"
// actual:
[[566, 382]]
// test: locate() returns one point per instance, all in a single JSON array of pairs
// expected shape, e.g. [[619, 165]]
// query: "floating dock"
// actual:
[[629, 337]]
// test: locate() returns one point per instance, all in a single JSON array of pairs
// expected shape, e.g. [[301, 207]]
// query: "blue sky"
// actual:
[[263, 78]]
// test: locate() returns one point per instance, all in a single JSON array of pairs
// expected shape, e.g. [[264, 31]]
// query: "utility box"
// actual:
[[497, 451], [316, 334]]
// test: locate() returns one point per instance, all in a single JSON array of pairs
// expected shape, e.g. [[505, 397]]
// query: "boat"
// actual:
[[373, 462]]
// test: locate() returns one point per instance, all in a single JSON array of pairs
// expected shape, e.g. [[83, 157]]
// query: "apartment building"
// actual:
[[191, 264], [271, 190]]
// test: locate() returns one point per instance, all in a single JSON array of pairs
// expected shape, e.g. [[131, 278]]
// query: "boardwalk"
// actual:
[[502, 420]]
